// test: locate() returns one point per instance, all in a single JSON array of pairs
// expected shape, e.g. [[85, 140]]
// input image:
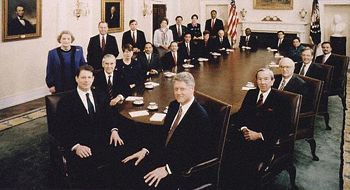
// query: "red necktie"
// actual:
[[212, 23], [103, 43], [260, 101], [133, 38]]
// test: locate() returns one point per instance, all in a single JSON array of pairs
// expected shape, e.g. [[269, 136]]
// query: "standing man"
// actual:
[[134, 37], [20, 25], [214, 24], [186, 140], [178, 29], [100, 45]]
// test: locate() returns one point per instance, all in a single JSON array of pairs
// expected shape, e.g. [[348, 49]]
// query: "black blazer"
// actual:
[[95, 54], [167, 60], [314, 71], [218, 25], [284, 48], [184, 53], [176, 35], [204, 49], [131, 73], [252, 43], [120, 86], [194, 30], [224, 44], [78, 126], [338, 67], [140, 39], [153, 64]]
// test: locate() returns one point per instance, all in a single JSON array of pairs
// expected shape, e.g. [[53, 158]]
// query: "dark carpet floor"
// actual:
[[24, 159]]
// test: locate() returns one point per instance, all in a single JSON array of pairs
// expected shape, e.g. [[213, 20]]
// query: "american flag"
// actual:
[[315, 28], [232, 21]]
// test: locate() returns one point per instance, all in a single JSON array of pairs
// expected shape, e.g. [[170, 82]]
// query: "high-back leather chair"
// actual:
[[207, 174], [323, 106], [282, 158], [307, 119]]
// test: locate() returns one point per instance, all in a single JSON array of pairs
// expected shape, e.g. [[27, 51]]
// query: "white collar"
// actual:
[[265, 94]]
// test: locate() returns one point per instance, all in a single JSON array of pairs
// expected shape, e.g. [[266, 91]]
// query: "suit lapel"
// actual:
[[80, 104]]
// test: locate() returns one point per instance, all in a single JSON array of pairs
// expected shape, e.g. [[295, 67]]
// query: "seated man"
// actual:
[[295, 51], [86, 129], [308, 68], [186, 140], [281, 44], [187, 48], [108, 81], [257, 125], [249, 40], [173, 58], [221, 43], [149, 61]]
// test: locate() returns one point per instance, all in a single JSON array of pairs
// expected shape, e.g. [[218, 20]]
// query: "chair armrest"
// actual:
[[201, 166]]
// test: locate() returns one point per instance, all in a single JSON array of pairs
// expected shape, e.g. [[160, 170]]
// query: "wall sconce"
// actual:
[[81, 9], [243, 13], [147, 8], [302, 14]]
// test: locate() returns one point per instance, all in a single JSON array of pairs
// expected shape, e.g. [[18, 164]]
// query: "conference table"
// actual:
[[221, 78]]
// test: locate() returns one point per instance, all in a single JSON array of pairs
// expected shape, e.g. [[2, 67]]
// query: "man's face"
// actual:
[[287, 68], [84, 80], [103, 28], [326, 48], [133, 26], [306, 56], [187, 38], [183, 92], [148, 48], [221, 33], [109, 65], [213, 14], [173, 47], [264, 81], [296, 43], [179, 21], [280, 35], [66, 40], [20, 11], [248, 32]]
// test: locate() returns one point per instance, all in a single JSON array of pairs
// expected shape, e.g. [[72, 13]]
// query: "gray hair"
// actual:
[[264, 69], [185, 77], [108, 56], [65, 32], [287, 60]]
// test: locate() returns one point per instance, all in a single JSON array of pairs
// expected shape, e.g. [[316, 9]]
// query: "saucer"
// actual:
[[138, 102], [152, 107], [149, 86], [203, 59], [187, 66], [169, 74]]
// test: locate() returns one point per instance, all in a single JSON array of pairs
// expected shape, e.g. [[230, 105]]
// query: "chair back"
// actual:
[[339, 82], [51, 111], [328, 70]]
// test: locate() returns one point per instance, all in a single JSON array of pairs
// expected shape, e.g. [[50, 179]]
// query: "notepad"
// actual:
[[157, 117], [138, 113], [133, 98]]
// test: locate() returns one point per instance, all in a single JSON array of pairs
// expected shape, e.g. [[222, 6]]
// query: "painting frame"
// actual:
[[273, 4], [30, 16], [115, 23]]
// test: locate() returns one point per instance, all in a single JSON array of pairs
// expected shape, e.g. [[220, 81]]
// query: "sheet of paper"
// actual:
[[133, 98], [247, 88], [152, 83], [157, 117], [138, 113]]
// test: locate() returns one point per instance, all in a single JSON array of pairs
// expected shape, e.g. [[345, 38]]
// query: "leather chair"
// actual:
[[338, 85], [206, 175], [305, 128], [323, 107], [282, 158]]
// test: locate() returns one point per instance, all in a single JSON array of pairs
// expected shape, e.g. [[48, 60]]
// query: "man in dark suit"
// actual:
[[178, 29], [113, 18], [149, 60], [307, 67], [330, 59], [187, 48], [134, 37], [173, 58], [214, 24], [248, 40], [258, 124], [20, 25], [186, 139], [86, 129], [101, 45], [282, 44], [221, 43]]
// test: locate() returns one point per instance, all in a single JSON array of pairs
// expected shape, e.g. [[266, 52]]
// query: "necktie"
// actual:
[[302, 70], [109, 84], [174, 57], [148, 58], [103, 43], [173, 127], [282, 85], [220, 40], [188, 49], [212, 23], [279, 42], [260, 101], [133, 38], [246, 40], [90, 106], [179, 30]]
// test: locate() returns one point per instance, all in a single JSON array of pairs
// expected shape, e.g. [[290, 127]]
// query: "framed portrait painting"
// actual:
[[21, 19], [113, 14], [273, 4]]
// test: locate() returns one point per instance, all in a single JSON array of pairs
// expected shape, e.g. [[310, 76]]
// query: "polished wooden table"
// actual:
[[221, 78]]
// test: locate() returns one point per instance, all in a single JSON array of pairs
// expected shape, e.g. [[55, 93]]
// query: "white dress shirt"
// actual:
[[286, 80]]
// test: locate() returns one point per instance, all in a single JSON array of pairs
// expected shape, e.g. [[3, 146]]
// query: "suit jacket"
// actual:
[[193, 50], [252, 43], [194, 30], [176, 36], [218, 25], [16, 28], [140, 39], [204, 49], [132, 73], [78, 126], [120, 86], [334, 61], [314, 71], [168, 60], [153, 64], [284, 47], [95, 53], [219, 45]]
